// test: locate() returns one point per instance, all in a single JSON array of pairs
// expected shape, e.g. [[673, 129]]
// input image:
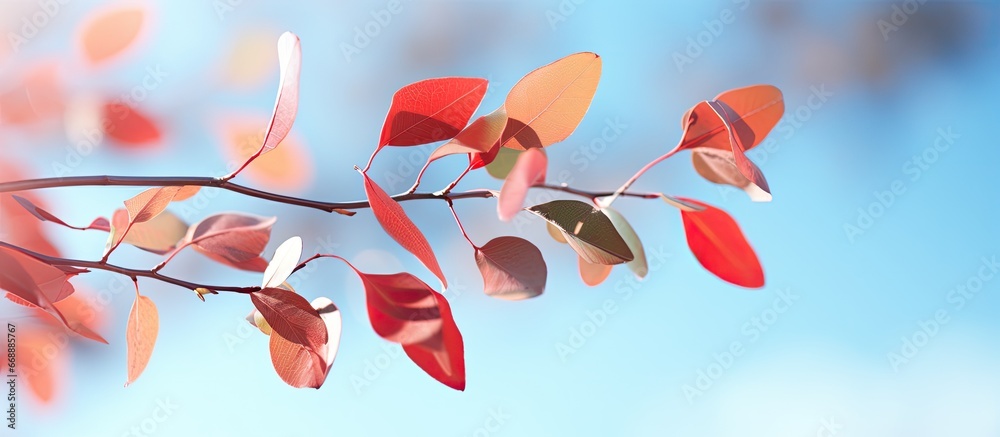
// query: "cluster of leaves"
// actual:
[[542, 109]]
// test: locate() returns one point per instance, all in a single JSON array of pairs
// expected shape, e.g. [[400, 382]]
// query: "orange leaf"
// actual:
[[296, 364], [481, 136], [140, 335], [546, 105], [398, 225], [110, 32], [717, 242], [593, 274]]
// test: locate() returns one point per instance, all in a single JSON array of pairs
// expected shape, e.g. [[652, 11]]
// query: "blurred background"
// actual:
[[880, 247]]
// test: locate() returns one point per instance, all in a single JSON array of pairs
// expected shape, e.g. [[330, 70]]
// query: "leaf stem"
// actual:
[[621, 190], [451, 206]]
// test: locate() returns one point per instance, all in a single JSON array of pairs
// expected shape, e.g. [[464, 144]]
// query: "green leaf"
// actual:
[[587, 230], [637, 265]]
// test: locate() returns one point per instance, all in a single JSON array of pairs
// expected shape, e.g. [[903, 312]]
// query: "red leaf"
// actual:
[[129, 127], [399, 226], [140, 335], [512, 268], [286, 104], [754, 112], [735, 122], [232, 239], [528, 171], [431, 110], [717, 242], [291, 316], [296, 364], [401, 307], [546, 105], [443, 355]]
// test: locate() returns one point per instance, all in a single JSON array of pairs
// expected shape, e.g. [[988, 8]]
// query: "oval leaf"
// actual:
[[296, 364], [110, 32], [593, 274], [546, 105], [755, 111], [587, 230], [401, 307], [285, 259], [398, 225], [719, 166], [431, 110], [443, 355], [158, 235], [478, 137], [528, 171], [232, 239], [292, 317], [128, 126], [717, 242], [512, 268], [637, 265], [140, 335]]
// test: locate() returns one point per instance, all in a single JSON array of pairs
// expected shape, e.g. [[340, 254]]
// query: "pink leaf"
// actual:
[[140, 335], [528, 171], [231, 238], [291, 316], [286, 104], [512, 268]]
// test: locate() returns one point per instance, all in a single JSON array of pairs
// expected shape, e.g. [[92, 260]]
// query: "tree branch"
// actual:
[[131, 273], [342, 207]]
